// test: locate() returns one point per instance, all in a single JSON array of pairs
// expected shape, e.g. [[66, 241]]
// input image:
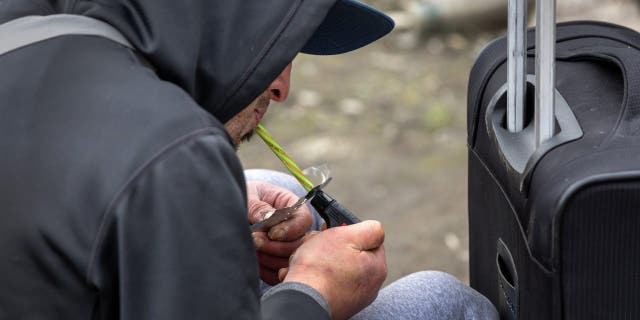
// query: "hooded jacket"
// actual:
[[121, 196]]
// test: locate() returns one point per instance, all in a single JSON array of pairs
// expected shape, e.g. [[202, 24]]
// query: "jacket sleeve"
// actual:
[[289, 300], [177, 243]]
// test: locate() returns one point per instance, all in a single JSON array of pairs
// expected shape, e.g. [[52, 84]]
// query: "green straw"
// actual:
[[282, 155]]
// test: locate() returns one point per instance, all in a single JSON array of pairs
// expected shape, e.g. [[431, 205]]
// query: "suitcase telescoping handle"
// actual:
[[545, 67], [516, 64], [544, 115], [522, 132]]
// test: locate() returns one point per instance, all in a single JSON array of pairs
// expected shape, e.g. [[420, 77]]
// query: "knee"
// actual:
[[433, 276], [434, 280], [267, 175], [277, 178], [449, 295]]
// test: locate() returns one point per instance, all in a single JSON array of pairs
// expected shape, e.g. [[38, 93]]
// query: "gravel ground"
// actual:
[[390, 122]]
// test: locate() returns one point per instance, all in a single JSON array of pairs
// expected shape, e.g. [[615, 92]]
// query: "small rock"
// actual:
[[452, 241], [308, 98], [352, 106]]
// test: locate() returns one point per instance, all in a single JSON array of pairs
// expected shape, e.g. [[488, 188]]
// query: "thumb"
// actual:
[[367, 235]]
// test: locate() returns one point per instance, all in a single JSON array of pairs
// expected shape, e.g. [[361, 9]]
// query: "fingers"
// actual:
[[273, 256], [271, 262], [275, 248], [268, 193], [310, 235], [269, 276], [263, 197], [257, 210], [293, 228]]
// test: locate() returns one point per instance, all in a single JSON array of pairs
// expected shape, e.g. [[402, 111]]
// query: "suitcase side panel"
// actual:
[[491, 217], [600, 247]]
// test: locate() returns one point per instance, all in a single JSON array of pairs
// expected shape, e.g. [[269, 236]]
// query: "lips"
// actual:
[[259, 113]]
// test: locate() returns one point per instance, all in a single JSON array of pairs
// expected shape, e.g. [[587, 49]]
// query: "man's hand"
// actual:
[[275, 247], [345, 264]]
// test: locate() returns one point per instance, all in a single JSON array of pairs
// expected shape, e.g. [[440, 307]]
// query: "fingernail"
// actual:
[[258, 242], [276, 234]]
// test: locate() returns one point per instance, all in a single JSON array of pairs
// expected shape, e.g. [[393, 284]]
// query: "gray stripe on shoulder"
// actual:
[[24, 31]]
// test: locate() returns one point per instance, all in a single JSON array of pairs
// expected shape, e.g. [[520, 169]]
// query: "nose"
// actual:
[[279, 88]]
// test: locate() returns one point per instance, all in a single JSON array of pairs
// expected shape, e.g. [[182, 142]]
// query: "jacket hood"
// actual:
[[224, 53]]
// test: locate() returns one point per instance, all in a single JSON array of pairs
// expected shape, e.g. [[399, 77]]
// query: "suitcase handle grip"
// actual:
[[628, 62]]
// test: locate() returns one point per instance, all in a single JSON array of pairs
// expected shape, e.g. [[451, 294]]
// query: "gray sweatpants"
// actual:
[[421, 295]]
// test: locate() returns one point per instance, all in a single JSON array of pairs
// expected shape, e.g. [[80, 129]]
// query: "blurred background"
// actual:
[[389, 120]]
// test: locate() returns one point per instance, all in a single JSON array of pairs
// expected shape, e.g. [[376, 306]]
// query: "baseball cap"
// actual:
[[349, 25]]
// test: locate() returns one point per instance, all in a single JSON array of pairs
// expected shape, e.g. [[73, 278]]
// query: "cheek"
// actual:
[[238, 123], [247, 120]]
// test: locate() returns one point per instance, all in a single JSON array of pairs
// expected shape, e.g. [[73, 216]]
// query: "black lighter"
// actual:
[[333, 213]]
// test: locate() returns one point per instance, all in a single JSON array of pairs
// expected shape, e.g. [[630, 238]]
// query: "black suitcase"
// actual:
[[554, 227]]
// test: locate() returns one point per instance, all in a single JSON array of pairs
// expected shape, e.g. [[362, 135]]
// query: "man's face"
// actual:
[[243, 124]]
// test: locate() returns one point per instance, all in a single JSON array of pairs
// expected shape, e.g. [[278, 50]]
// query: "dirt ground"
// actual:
[[389, 120]]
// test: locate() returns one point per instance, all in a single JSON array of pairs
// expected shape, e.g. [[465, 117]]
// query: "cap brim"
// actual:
[[349, 25]]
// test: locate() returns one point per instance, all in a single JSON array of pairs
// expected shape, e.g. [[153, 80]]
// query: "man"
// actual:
[[121, 194]]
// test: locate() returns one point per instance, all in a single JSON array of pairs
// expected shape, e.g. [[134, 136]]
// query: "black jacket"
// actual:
[[121, 196]]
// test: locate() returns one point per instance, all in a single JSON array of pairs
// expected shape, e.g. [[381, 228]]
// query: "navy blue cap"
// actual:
[[349, 25]]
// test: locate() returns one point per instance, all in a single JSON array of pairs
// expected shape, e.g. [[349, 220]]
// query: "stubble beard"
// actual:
[[263, 102], [247, 137]]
